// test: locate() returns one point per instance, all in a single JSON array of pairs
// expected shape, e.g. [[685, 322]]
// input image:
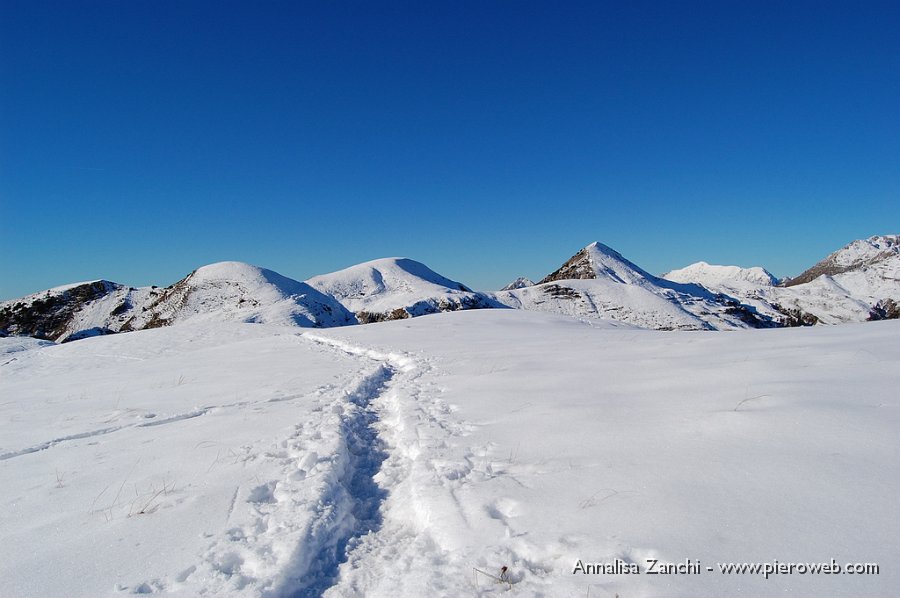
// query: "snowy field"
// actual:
[[402, 458]]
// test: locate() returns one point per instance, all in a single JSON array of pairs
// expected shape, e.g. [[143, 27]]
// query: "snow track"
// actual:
[[402, 556], [289, 536], [364, 485], [350, 506], [90, 434], [398, 458]]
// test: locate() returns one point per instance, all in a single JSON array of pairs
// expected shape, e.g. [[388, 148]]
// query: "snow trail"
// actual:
[[287, 534], [350, 508], [414, 425]]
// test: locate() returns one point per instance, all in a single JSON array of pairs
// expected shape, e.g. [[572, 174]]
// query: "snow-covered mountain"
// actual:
[[867, 265], [226, 291], [237, 291], [519, 283], [397, 288], [73, 311], [385, 289], [599, 282], [859, 282], [715, 277]]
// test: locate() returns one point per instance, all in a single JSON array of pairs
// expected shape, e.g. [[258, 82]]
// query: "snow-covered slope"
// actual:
[[823, 300], [235, 291], [417, 458], [397, 288], [865, 272], [599, 282]]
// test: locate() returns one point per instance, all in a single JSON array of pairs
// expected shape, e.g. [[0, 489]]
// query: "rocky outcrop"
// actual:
[[50, 315]]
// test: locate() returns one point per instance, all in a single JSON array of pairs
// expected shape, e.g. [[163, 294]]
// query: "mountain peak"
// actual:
[[239, 292], [396, 288], [375, 276], [519, 283], [248, 275], [599, 261]]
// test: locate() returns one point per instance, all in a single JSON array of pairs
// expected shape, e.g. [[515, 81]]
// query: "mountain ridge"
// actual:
[[857, 254], [712, 275], [860, 281]]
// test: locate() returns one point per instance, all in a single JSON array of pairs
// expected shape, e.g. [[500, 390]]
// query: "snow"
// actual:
[[519, 283], [598, 282], [224, 291], [717, 278], [824, 297], [841, 288], [99, 313], [170, 453], [879, 280], [59, 290], [393, 459], [235, 291], [604, 298], [384, 285], [15, 344], [607, 262], [864, 251]]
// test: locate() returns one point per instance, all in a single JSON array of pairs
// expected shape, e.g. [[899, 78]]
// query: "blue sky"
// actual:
[[140, 140]]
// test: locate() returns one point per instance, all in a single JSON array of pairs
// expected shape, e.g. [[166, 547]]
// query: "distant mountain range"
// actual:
[[859, 282]]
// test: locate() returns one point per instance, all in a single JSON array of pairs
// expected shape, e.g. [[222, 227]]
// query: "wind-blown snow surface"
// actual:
[[242, 460]]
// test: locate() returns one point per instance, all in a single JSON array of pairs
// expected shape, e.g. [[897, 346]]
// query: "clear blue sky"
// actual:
[[490, 139]]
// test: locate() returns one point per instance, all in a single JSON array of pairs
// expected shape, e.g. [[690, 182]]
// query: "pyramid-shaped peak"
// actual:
[[599, 261], [604, 248]]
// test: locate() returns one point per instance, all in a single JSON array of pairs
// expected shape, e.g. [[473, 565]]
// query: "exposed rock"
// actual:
[[886, 309], [793, 317]]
